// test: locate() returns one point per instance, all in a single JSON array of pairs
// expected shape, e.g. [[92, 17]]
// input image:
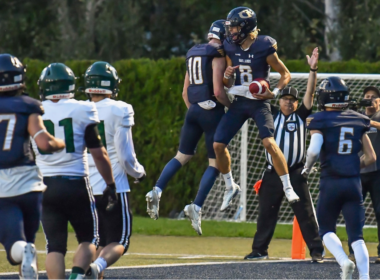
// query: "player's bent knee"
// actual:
[[219, 148], [182, 158], [270, 145]]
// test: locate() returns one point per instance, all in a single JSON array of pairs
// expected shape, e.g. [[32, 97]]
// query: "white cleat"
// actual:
[[194, 217], [229, 195], [291, 196], [153, 203], [94, 272], [29, 263], [348, 268]]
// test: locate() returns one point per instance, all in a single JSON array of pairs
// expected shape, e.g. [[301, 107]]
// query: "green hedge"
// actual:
[[154, 89]]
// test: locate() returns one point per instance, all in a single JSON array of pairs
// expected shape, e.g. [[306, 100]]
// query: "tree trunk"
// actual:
[[332, 29]]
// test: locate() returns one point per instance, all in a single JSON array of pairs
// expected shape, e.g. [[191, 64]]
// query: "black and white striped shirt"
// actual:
[[290, 134]]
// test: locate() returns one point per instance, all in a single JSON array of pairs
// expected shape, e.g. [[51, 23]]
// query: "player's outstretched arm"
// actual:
[[275, 62], [313, 151], [369, 155], [312, 81], [218, 66], [126, 153], [186, 84], [44, 140]]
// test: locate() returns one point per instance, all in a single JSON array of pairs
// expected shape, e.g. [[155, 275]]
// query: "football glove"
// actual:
[[110, 195], [138, 180]]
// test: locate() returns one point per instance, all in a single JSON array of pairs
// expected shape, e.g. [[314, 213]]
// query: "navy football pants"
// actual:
[[197, 122], [19, 219], [341, 194], [241, 110]]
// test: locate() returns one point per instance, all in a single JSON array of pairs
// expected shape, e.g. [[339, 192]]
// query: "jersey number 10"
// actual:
[[195, 70]]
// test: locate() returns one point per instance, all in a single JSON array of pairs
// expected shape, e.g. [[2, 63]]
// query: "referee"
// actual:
[[290, 136]]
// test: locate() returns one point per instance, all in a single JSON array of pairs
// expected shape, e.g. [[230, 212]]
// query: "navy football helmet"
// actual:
[[333, 93], [217, 30], [245, 19], [12, 73]]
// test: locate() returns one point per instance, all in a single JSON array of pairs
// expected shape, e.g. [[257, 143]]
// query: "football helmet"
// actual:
[[57, 81], [101, 78], [333, 93], [245, 19], [217, 30], [12, 73]]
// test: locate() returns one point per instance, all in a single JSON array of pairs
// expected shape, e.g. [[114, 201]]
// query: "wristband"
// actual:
[[227, 77], [314, 70], [276, 91], [38, 133], [112, 186]]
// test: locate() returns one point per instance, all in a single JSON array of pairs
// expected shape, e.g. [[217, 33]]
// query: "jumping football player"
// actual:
[[251, 56], [205, 98], [338, 136], [21, 184], [115, 128], [68, 197]]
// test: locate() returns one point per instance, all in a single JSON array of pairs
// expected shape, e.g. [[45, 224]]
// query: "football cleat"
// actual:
[[347, 269], [194, 217], [291, 196], [229, 195], [256, 256], [316, 257], [377, 259], [29, 263], [153, 203], [92, 272]]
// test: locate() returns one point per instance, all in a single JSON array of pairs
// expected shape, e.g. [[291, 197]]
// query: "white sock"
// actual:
[[197, 208], [101, 264], [362, 258], [334, 245], [17, 251], [159, 191], [228, 180], [285, 179]]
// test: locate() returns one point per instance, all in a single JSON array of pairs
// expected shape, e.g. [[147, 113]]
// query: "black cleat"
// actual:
[[316, 258], [256, 256], [378, 259]]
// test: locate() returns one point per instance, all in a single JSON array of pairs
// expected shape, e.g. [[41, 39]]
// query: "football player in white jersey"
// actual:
[[115, 128], [68, 197]]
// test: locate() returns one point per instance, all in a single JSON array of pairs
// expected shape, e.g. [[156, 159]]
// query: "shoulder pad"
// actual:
[[125, 112], [88, 112], [34, 106], [215, 50], [315, 121], [268, 43]]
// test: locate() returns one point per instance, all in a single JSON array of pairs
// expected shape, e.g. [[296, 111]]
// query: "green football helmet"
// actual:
[[57, 81], [101, 78]]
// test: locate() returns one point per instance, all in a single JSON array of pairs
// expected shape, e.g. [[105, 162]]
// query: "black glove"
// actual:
[[138, 180], [110, 195]]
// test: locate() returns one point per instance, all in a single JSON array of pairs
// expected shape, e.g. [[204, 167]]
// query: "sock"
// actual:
[[77, 273], [101, 264], [169, 171], [228, 180], [334, 245], [285, 179], [17, 251], [362, 258], [208, 180]]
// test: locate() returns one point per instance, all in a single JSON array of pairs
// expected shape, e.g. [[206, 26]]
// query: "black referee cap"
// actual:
[[289, 91], [375, 89]]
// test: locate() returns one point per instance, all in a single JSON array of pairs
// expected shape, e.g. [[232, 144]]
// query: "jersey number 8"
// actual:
[[245, 75]]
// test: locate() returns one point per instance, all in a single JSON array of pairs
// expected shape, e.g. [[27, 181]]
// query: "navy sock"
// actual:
[[169, 171], [208, 180]]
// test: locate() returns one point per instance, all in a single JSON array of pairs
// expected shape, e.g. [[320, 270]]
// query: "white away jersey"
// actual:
[[67, 119], [112, 115]]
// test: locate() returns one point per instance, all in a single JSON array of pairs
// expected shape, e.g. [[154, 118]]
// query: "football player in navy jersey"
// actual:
[[205, 98], [21, 184], [251, 56], [337, 137]]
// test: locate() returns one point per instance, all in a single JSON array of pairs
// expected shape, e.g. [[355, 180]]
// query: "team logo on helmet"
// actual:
[[246, 13]]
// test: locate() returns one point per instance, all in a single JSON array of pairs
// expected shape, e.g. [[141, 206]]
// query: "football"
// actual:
[[258, 86]]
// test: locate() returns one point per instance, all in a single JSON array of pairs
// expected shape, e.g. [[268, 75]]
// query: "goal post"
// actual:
[[248, 160]]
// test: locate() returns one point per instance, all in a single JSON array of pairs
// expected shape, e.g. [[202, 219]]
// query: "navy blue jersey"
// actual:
[[342, 141], [199, 67], [14, 136], [253, 62]]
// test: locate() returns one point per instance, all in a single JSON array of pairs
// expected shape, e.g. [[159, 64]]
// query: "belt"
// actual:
[[67, 177], [270, 168]]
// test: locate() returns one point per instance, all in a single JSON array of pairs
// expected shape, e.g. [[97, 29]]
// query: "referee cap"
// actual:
[[375, 89], [289, 91]]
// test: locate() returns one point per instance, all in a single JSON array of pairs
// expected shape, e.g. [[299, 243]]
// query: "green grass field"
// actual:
[[168, 241]]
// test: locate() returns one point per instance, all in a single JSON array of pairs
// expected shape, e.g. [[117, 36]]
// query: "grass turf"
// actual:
[[171, 227]]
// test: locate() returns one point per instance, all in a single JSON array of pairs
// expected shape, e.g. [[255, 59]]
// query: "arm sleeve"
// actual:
[[315, 146], [126, 152], [92, 137], [303, 112]]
